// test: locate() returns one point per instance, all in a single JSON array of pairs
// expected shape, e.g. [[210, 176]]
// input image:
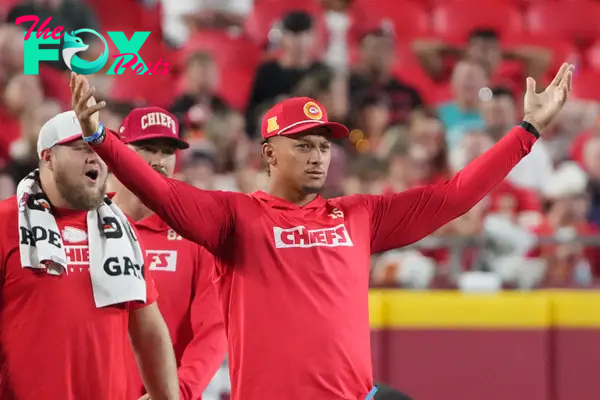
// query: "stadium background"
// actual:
[[501, 303]]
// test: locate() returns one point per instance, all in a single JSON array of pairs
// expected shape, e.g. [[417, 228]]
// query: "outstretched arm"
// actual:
[[403, 218], [400, 219], [202, 216]]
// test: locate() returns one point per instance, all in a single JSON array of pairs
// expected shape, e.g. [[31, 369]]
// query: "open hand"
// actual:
[[542, 108], [84, 104]]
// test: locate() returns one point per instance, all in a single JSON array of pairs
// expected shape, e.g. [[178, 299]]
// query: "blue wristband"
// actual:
[[97, 137]]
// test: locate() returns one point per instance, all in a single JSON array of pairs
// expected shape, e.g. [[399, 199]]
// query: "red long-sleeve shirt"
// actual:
[[293, 281], [182, 271]]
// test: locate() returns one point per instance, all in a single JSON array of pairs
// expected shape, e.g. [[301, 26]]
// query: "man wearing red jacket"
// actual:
[[181, 269], [292, 268]]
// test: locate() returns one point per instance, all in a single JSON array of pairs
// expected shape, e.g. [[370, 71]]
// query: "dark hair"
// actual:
[[502, 91], [483, 33], [297, 22], [315, 83]]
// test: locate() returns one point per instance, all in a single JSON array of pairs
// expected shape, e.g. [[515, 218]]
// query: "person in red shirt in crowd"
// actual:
[[74, 284], [292, 268], [181, 269]]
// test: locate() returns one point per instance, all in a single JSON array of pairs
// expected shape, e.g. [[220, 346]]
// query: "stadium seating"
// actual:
[[576, 21], [457, 20], [226, 48], [409, 19], [267, 13]]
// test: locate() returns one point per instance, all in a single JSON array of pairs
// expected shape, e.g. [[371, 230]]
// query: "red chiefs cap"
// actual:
[[296, 115], [151, 123]]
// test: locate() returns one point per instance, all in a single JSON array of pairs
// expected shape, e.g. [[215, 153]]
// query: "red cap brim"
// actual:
[[178, 143], [338, 131]]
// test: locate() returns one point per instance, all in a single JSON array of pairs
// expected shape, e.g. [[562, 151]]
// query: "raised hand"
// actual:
[[542, 108], [84, 104]]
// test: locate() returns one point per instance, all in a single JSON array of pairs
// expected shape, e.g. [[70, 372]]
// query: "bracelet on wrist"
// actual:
[[98, 136]]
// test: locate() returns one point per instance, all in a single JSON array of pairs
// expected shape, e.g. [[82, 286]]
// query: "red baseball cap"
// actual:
[[296, 115], [151, 123]]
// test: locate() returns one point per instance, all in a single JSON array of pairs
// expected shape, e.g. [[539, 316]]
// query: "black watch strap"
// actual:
[[530, 128]]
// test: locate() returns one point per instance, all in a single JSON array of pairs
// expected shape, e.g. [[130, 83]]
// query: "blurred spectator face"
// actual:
[[467, 79], [297, 36], [484, 48], [399, 168], [429, 134], [7, 186], [419, 167], [199, 171], [377, 53], [475, 144], [201, 75], [498, 114], [591, 158], [569, 209], [375, 118], [23, 92], [11, 49], [298, 45]]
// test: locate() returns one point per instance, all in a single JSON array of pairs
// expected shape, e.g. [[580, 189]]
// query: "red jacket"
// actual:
[[189, 305]]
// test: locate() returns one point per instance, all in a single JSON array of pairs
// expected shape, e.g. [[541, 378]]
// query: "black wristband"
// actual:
[[530, 128]]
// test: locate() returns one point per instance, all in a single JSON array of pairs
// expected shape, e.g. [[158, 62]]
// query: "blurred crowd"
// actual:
[[423, 96]]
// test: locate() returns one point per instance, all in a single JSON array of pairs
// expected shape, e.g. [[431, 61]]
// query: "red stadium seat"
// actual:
[[592, 56], [225, 48], [457, 20], [577, 21], [235, 85], [115, 15], [6, 6], [156, 90], [586, 85], [409, 19], [266, 14]]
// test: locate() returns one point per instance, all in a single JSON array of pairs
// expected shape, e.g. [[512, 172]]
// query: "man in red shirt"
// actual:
[[74, 284], [181, 269], [292, 268]]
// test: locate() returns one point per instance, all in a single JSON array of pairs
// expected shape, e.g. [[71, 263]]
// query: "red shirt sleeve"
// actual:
[[202, 216], [205, 353], [400, 219]]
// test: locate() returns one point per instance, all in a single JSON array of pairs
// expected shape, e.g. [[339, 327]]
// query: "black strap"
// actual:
[[530, 128]]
